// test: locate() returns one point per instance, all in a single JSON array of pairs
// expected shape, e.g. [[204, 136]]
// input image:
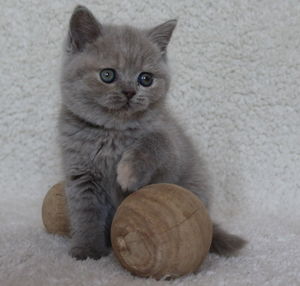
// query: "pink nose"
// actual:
[[129, 93]]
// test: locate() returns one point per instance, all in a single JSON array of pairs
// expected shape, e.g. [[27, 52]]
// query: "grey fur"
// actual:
[[112, 145]]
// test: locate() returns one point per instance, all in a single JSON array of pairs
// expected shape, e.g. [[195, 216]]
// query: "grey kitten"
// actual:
[[116, 133]]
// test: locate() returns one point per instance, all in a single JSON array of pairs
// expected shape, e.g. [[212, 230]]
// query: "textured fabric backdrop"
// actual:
[[236, 71]]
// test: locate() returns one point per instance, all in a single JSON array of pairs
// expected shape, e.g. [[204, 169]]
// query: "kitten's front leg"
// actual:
[[90, 213], [140, 161]]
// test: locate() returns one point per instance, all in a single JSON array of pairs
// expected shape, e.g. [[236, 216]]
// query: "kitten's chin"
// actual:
[[128, 109]]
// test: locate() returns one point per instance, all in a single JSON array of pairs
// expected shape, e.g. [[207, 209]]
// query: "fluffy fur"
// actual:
[[112, 144]]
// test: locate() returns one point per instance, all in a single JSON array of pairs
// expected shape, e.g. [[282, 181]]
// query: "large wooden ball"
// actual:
[[161, 231], [54, 211]]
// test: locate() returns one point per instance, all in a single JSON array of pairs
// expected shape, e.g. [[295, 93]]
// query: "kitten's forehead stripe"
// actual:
[[127, 49]]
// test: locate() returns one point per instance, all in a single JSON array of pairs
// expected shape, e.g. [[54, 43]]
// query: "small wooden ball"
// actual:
[[161, 231], [54, 211]]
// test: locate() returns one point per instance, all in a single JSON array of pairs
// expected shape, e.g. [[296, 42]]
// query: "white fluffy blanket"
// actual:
[[236, 71]]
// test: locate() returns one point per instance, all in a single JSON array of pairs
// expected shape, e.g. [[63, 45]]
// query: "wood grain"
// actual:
[[54, 211], [161, 231]]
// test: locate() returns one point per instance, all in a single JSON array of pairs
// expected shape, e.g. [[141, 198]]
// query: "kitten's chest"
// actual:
[[111, 145], [108, 148]]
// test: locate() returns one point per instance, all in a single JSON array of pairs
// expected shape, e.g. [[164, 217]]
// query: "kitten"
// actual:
[[116, 133]]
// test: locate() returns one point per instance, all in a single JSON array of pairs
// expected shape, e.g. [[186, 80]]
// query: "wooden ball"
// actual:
[[54, 211], [161, 231]]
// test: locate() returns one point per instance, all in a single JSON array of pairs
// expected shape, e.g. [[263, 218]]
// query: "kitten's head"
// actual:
[[114, 71]]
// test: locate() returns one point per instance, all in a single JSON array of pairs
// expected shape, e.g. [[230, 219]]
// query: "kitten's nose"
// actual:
[[129, 93]]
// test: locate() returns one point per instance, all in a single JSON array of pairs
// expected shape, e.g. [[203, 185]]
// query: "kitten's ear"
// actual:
[[161, 34], [83, 28]]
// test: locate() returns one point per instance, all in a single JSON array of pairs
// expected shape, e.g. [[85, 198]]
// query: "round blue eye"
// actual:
[[108, 75], [145, 79]]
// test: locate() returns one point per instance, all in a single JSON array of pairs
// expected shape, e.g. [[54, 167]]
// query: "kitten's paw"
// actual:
[[126, 176], [83, 252], [132, 174]]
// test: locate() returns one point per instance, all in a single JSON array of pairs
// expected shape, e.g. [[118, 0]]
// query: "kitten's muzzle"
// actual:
[[129, 93]]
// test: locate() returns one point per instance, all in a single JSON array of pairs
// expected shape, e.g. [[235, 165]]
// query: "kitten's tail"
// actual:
[[224, 243]]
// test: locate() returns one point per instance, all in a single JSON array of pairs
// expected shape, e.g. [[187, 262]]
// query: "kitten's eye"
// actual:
[[145, 79], [108, 75]]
